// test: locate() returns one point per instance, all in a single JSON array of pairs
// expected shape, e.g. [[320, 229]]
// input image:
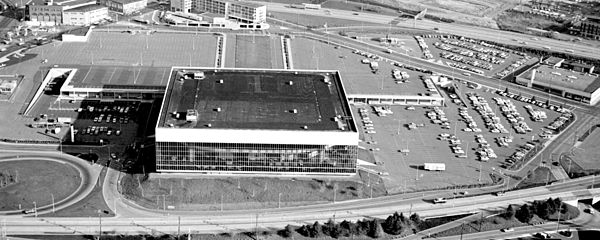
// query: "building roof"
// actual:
[[567, 79], [593, 19], [257, 99], [96, 76], [126, 1], [581, 65], [247, 4], [78, 31], [60, 2], [553, 60], [86, 8]]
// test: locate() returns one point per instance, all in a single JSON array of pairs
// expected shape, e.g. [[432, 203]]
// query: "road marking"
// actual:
[[86, 74], [111, 75]]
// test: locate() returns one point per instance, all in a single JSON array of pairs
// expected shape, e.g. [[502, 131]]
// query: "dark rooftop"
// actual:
[[256, 99], [78, 31]]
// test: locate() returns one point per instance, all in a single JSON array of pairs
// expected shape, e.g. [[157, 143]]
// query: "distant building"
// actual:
[[77, 35], [85, 15], [590, 28], [243, 12], [577, 85], [181, 6], [8, 85], [124, 6], [52, 11]]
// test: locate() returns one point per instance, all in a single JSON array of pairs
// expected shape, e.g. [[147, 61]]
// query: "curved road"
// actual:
[[89, 175]]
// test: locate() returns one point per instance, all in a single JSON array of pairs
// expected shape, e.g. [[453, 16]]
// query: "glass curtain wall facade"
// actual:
[[241, 157]]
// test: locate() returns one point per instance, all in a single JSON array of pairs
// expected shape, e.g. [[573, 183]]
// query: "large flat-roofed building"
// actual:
[[579, 86], [590, 28], [255, 121]]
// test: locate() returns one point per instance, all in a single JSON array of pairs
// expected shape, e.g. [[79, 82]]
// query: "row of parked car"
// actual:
[[468, 53], [509, 110], [423, 45], [485, 151], [475, 47], [465, 67], [96, 130], [471, 62], [492, 122]]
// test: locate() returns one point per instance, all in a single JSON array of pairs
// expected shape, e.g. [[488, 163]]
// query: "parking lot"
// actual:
[[475, 56], [253, 51], [466, 136], [123, 48], [356, 70]]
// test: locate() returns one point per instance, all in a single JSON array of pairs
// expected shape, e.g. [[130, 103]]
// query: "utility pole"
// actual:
[[35, 209], [100, 225], [52, 195], [279, 201], [178, 226]]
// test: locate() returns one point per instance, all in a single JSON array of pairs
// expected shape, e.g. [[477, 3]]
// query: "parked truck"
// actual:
[[435, 166]]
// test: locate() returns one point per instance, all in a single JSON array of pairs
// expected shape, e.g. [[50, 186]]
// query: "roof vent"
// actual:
[[221, 81], [294, 110], [296, 73], [291, 83], [170, 125], [209, 125], [218, 109], [304, 127]]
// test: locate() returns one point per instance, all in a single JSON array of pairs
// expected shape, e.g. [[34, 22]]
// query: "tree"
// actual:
[[348, 228], [362, 227], [375, 229], [304, 230], [332, 229], [287, 232], [415, 218], [393, 224], [510, 212], [524, 214], [316, 230]]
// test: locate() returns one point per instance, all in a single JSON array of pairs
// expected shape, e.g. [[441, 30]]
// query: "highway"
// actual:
[[204, 222], [450, 28]]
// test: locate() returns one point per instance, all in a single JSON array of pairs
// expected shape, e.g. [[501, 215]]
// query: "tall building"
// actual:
[[256, 121], [590, 28], [181, 6]]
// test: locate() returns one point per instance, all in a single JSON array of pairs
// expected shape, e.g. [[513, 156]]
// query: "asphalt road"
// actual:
[[451, 28], [88, 173]]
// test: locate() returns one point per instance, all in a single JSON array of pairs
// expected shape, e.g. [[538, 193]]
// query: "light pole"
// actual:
[[52, 195], [35, 209], [279, 201]]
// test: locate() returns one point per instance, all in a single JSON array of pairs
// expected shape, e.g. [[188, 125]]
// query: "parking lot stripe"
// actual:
[[86, 74], [111, 75]]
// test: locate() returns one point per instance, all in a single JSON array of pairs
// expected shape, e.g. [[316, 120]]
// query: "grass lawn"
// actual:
[[585, 156], [539, 177], [487, 224], [36, 181], [87, 207], [244, 192], [498, 222]]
